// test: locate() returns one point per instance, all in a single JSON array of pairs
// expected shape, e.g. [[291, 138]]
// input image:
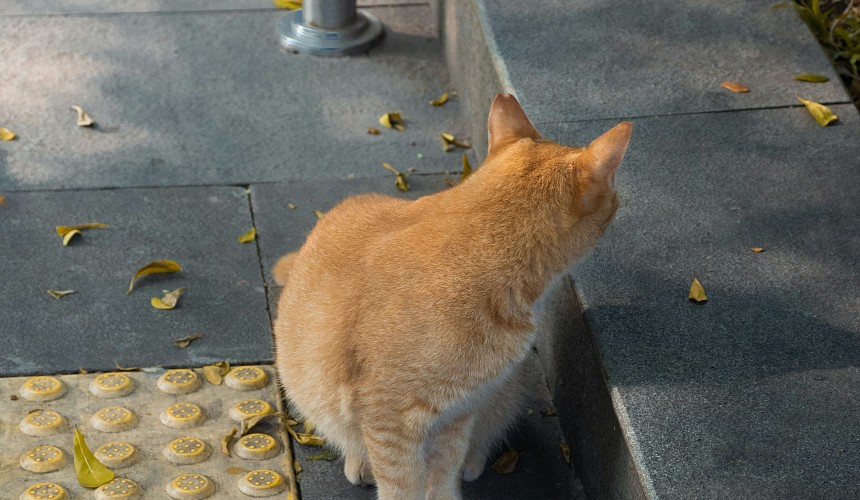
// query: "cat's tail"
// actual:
[[281, 269]]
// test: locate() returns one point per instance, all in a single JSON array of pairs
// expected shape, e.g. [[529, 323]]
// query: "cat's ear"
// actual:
[[508, 122], [604, 155]]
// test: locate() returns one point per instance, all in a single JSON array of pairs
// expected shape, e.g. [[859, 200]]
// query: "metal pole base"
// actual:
[[365, 33]]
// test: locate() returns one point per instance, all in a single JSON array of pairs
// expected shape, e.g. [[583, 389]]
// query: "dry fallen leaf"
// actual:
[[248, 237], [121, 368], [811, 78], [6, 134], [84, 119], [549, 412], [697, 292], [155, 267], [309, 427], [234, 470], [506, 463], [67, 238], [319, 213], [467, 168], [449, 142], [63, 230], [215, 373], [225, 441], [440, 101], [248, 424], [757, 249], [297, 466], [308, 439], [392, 120], [292, 206], [90, 472], [186, 341], [2, 200], [565, 451], [373, 131], [823, 115], [287, 4], [58, 294], [400, 180], [169, 300], [327, 455], [735, 87]]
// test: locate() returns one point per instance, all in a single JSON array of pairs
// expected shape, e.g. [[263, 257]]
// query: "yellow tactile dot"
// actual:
[[256, 447], [249, 408], [44, 491], [179, 381], [182, 416], [113, 419], [190, 487], [246, 378], [44, 458], [42, 389], [117, 454], [262, 483], [43, 423], [119, 488], [111, 385], [186, 450]]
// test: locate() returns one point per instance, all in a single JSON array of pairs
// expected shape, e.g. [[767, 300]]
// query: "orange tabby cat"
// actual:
[[403, 325]]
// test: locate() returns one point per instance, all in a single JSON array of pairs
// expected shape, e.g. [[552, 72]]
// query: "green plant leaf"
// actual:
[[155, 267], [811, 78], [90, 472]]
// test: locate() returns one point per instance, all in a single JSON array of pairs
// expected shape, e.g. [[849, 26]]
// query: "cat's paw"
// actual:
[[357, 471], [473, 468]]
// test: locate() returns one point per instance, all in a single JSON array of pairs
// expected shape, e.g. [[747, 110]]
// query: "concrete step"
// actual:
[[753, 394]]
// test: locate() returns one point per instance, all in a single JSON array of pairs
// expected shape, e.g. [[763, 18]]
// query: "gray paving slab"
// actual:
[[541, 471], [579, 60], [210, 98], [77, 7], [754, 394], [100, 324]]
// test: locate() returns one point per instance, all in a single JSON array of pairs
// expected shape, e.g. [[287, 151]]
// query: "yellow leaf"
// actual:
[[449, 142], [2, 200], [58, 294], [63, 230], [6, 134], [225, 441], [319, 213], [185, 341], [697, 292], [400, 180], [757, 249], [822, 113], [309, 427], [169, 300], [292, 206], [120, 368], [373, 131], [215, 373], [297, 466], [327, 455], [565, 451], [248, 237], [90, 472], [392, 120], [287, 4], [467, 168], [84, 119], [811, 78], [155, 267], [310, 439], [248, 424], [506, 463], [440, 101], [68, 236], [735, 87]]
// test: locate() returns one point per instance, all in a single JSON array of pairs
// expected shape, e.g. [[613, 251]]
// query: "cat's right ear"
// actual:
[[507, 122]]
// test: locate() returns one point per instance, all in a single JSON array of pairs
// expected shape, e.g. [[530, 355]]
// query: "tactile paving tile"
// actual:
[[159, 444]]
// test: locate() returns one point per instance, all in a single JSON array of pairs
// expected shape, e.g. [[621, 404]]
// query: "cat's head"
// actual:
[[578, 181]]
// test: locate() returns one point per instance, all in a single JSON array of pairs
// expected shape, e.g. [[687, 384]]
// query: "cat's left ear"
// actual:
[[605, 153]]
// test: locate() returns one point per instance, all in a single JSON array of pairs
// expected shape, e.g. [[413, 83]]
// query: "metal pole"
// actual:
[[330, 28]]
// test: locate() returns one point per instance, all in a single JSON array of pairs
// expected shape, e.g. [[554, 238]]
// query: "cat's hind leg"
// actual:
[[492, 422]]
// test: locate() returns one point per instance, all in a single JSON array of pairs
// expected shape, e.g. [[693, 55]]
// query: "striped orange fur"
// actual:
[[402, 325]]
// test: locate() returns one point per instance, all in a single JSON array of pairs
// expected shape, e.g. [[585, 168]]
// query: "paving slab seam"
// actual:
[[265, 282], [688, 113]]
